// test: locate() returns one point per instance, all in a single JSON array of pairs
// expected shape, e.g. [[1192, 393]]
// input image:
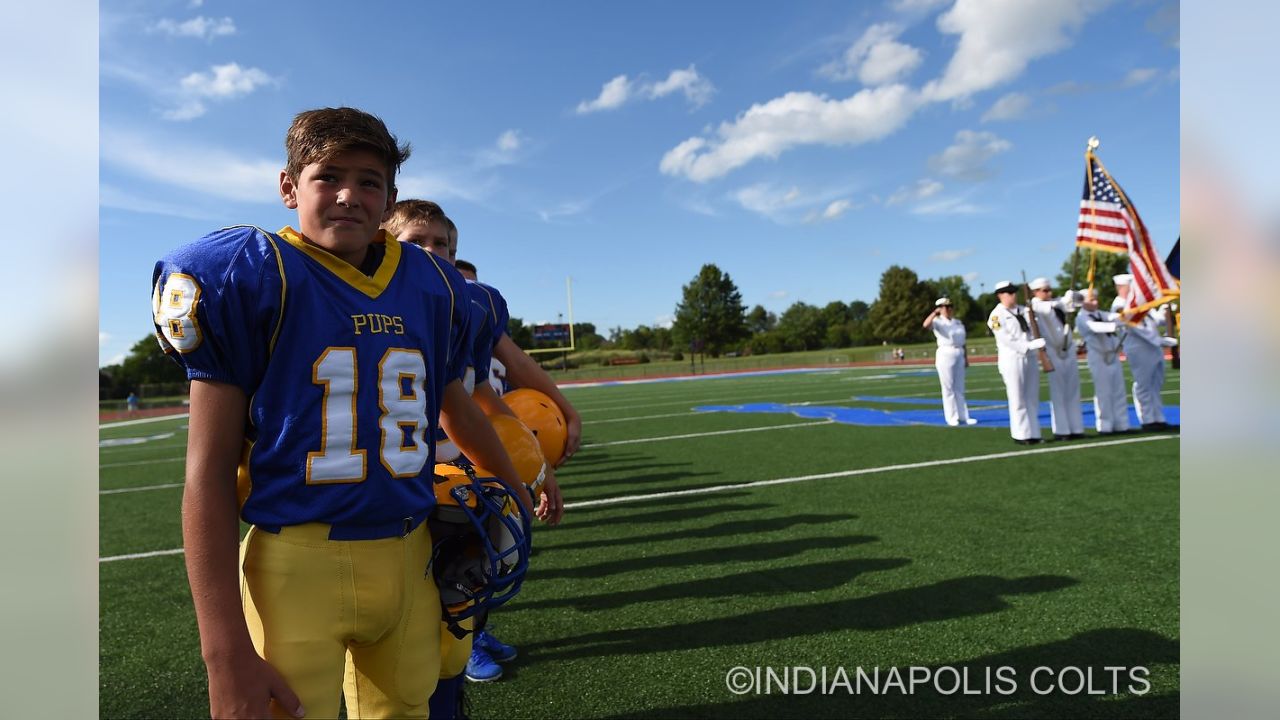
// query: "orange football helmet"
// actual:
[[543, 417]]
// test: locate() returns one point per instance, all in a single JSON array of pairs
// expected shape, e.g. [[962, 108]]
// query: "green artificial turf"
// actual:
[[1062, 556]]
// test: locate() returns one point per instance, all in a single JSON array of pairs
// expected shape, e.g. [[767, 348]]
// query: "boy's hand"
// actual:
[[550, 505], [573, 440], [245, 686]]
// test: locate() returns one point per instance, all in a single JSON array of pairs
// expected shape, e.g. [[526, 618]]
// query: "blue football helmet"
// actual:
[[481, 540]]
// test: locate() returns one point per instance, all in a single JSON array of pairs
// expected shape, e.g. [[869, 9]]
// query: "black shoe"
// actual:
[[1028, 441], [1061, 438], [1076, 436], [1152, 427]]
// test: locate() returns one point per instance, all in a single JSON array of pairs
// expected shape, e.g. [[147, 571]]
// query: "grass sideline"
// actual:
[[1063, 559]]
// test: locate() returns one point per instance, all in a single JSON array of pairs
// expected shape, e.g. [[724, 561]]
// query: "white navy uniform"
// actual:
[[1064, 382], [1019, 369], [950, 363], [1102, 342], [1144, 348]]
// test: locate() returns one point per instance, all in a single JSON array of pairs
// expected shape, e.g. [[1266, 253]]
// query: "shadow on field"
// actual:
[[656, 502], [657, 516], [596, 456], [638, 483], [737, 528], [801, 578], [706, 556], [946, 600], [1092, 652]]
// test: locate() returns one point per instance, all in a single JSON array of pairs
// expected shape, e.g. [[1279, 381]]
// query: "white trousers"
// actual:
[[950, 364], [1147, 366], [1110, 399], [1021, 375], [1065, 416]]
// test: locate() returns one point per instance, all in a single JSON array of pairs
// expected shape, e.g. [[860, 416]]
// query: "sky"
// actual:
[[801, 147]]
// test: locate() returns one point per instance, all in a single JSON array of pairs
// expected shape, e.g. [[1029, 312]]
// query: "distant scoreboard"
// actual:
[[551, 333]]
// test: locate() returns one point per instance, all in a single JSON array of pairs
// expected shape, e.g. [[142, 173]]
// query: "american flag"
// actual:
[[1109, 222]]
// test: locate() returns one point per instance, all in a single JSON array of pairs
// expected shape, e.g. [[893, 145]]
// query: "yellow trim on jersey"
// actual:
[[493, 308], [445, 278], [371, 286]]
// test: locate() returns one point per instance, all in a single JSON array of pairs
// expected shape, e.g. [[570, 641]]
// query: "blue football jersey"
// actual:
[[487, 309], [344, 372]]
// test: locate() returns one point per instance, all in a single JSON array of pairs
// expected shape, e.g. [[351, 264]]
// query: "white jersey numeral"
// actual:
[[402, 399], [174, 309]]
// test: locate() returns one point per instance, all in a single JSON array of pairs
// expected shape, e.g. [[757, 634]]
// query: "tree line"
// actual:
[[712, 319]]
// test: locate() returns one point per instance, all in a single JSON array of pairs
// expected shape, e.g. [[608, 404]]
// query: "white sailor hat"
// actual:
[[1005, 286], [1122, 279], [1039, 283], [940, 302]]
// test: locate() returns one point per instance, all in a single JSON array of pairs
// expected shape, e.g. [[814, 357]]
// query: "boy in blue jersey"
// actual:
[[322, 360], [424, 224]]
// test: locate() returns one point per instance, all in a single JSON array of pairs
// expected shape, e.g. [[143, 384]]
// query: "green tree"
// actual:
[[521, 334], [955, 289], [801, 327], [1106, 265], [146, 364], [903, 302], [760, 320], [711, 313]]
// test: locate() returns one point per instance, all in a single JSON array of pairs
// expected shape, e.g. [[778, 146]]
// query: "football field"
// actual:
[[823, 520]]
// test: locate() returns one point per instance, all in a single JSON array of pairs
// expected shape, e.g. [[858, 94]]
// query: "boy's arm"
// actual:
[[550, 505], [241, 683], [466, 425], [522, 371]]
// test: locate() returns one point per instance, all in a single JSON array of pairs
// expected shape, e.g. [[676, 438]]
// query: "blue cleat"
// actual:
[[495, 648], [481, 667]]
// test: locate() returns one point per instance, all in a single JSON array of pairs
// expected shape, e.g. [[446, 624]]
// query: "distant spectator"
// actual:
[[131, 402]]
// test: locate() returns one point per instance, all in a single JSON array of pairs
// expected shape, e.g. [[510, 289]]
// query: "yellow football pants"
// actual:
[[362, 615], [455, 653]]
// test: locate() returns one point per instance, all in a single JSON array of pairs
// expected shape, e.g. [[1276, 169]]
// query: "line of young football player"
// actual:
[[1065, 415], [1102, 336], [424, 224], [321, 360], [950, 360], [1018, 363], [1144, 346]]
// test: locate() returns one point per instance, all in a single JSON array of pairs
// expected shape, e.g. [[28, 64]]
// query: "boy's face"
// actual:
[[432, 236], [341, 201], [1008, 299]]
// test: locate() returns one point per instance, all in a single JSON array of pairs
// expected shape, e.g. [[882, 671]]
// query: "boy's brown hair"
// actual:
[[414, 212], [317, 135]]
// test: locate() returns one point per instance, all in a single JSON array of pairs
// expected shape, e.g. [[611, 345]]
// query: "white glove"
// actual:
[[1168, 341], [1035, 344]]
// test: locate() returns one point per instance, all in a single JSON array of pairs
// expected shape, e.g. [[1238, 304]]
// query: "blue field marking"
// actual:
[[988, 413]]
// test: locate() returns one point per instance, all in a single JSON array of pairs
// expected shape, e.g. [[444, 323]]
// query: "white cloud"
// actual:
[[836, 209], [621, 90], [797, 118], [697, 89], [924, 188], [565, 209], [222, 82], [779, 294], [969, 277], [196, 3], [876, 58], [103, 338], [950, 255], [764, 199], [947, 206], [1008, 107], [612, 95], [509, 141], [116, 359], [1138, 76], [664, 321], [220, 174], [110, 196], [967, 157], [200, 26], [999, 37]]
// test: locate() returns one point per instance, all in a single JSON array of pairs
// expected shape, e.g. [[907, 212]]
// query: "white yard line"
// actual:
[[785, 481], [704, 434], [140, 421], [144, 462], [144, 488], [863, 471]]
